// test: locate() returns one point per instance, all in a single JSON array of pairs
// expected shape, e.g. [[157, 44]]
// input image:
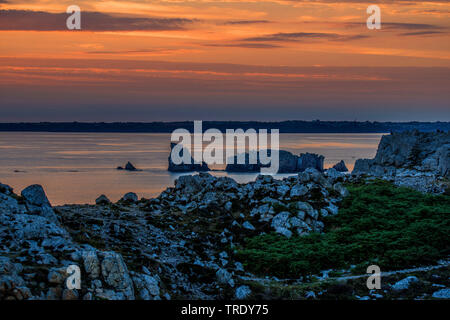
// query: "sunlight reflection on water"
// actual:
[[78, 167]]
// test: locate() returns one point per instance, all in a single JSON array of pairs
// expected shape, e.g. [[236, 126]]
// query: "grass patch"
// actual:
[[377, 223]]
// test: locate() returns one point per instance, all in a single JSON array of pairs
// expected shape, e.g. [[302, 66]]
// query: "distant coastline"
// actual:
[[294, 126]]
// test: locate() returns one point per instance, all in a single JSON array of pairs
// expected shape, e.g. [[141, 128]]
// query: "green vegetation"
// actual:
[[377, 224]]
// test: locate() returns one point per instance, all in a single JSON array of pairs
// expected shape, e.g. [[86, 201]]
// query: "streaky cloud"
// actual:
[[91, 21]]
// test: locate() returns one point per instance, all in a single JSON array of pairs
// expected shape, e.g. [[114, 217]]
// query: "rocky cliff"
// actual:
[[413, 158]]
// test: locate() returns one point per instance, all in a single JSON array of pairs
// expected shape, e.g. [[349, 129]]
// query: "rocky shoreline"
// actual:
[[181, 245], [419, 160]]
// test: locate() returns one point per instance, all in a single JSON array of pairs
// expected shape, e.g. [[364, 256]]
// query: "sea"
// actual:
[[75, 168]]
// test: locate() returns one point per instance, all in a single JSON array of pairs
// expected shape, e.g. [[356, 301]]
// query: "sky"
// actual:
[[136, 60]]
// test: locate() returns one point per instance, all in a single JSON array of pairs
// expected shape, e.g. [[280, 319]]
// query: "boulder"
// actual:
[[102, 200], [35, 195], [91, 264], [242, 292], [10, 204], [298, 190], [130, 197], [225, 277], [333, 174], [442, 294], [362, 166], [281, 224], [339, 187], [4, 188], [190, 185], [36, 202], [247, 225], [147, 286], [404, 284], [115, 273]]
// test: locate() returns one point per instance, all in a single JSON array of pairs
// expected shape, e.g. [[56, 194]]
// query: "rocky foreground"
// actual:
[[181, 245], [177, 245]]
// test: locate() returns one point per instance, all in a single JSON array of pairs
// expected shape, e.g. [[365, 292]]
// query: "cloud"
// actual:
[[248, 45], [243, 22], [91, 21], [416, 29], [393, 25], [408, 26], [300, 36], [421, 33]]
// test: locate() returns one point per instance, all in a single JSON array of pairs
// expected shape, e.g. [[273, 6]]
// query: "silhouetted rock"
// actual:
[[130, 197], [36, 202], [288, 163], [35, 195], [340, 166], [185, 167], [244, 167], [102, 200], [310, 160], [128, 167]]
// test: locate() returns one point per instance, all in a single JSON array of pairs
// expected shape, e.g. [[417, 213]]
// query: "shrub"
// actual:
[[377, 223]]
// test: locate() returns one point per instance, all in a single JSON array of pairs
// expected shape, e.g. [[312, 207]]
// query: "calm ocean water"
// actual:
[[78, 167]]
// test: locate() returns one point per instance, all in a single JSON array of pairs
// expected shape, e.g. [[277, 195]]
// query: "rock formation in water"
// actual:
[[185, 167], [417, 159], [340, 166], [128, 167], [288, 163]]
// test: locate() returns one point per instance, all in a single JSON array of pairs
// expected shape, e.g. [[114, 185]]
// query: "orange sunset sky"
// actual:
[[137, 60]]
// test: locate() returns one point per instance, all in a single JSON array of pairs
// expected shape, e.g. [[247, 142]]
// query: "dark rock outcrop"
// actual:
[[102, 200], [128, 167], [288, 163], [413, 150], [418, 160], [185, 167], [310, 160], [130, 197], [36, 202], [340, 166]]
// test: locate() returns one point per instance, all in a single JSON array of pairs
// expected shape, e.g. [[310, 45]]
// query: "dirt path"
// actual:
[[441, 264]]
